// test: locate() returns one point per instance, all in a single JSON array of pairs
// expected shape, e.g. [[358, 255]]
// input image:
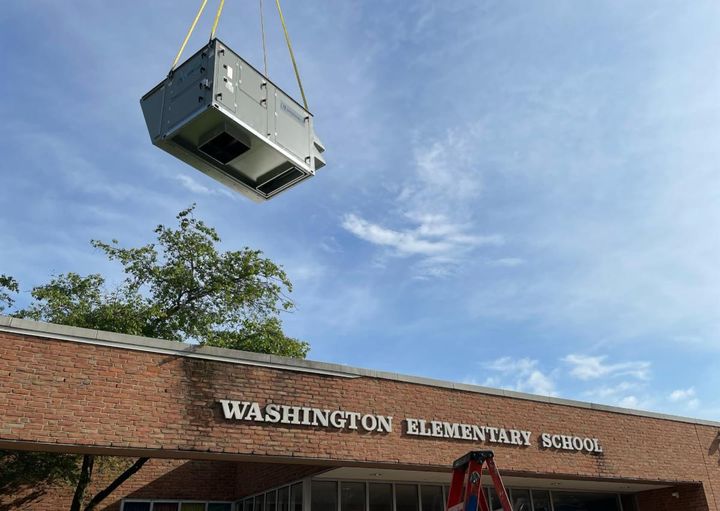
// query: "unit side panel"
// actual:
[[292, 127], [227, 71], [186, 93], [251, 99], [152, 107]]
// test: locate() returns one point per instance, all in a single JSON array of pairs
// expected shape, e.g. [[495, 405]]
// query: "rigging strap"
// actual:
[[217, 19], [292, 54], [262, 27], [187, 37]]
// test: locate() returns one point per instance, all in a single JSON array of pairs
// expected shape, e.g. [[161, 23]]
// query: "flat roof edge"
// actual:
[[138, 343]]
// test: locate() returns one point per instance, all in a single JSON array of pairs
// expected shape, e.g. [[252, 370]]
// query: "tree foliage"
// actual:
[[182, 288], [179, 288]]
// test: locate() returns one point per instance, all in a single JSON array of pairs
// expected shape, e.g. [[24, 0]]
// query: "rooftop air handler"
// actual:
[[220, 115]]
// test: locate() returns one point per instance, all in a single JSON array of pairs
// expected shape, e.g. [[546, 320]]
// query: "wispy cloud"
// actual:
[[521, 375], [434, 236], [434, 220], [587, 367], [687, 397], [194, 186]]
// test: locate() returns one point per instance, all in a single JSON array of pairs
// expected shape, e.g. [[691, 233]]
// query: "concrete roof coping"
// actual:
[[147, 344]]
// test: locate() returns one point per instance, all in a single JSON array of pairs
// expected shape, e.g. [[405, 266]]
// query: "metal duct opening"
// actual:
[[224, 147], [279, 177]]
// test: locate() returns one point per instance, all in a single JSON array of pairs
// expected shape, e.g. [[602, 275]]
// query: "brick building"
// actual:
[[229, 430]]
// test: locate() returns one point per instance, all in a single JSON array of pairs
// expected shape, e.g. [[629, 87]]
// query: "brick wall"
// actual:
[[91, 396], [672, 499], [157, 479]]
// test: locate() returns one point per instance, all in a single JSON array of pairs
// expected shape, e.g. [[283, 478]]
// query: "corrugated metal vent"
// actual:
[[279, 177]]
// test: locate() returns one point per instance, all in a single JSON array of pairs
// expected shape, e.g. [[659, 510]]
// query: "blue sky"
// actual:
[[518, 194]]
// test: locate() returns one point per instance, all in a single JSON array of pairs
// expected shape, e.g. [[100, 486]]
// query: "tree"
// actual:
[[182, 288]]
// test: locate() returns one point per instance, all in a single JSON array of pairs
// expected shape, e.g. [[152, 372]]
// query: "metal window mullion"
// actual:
[[339, 495], [419, 497], [367, 496], [394, 498], [307, 494]]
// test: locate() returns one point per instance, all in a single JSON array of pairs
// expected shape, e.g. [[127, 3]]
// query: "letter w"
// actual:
[[234, 409]]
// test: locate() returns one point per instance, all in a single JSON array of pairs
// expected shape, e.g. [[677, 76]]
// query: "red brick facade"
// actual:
[[69, 396]]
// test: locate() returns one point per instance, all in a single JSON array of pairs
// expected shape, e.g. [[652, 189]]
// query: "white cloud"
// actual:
[[625, 394], [434, 236], [507, 262], [195, 187], [435, 214], [682, 394], [587, 367], [521, 375], [687, 397]]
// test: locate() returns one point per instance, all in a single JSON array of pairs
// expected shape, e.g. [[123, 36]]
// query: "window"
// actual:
[[165, 505], [260, 503], [494, 500], [381, 497], [520, 500], [569, 501], [431, 498], [352, 496], [541, 500], [296, 497], [324, 496], [270, 501], [406, 497], [283, 500]]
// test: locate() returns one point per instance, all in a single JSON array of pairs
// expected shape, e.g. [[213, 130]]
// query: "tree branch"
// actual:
[[83, 482], [114, 485]]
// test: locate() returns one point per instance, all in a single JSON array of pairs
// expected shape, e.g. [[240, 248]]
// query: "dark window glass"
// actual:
[[219, 507], [324, 496], [165, 506], [381, 498], [296, 497], [568, 501], [520, 500], [260, 503], [271, 501], [494, 500], [136, 506], [283, 499], [406, 497], [628, 502], [541, 500], [352, 496], [247, 504], [431, 498], [192, 506]]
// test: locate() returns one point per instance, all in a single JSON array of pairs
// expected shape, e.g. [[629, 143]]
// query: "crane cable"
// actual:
[[262, 27], [262, 30]]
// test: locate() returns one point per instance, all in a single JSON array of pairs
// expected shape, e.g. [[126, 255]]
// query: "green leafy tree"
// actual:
[[181, 287]]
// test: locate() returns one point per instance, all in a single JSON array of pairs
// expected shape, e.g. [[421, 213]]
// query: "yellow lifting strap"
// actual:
[[187, 37], [217, 19], [292, 54], [214, 29]]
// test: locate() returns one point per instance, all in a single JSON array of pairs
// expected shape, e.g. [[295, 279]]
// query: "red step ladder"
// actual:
[[466, 492]]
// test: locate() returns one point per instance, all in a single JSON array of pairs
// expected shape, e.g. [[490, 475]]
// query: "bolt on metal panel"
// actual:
[[220, 115]]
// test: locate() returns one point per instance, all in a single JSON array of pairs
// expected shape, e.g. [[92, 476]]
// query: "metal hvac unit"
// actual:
[[220, 115]]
